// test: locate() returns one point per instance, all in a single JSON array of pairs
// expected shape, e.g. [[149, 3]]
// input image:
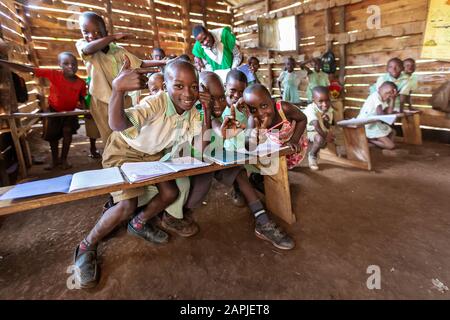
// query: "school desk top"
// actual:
[[13, 206]]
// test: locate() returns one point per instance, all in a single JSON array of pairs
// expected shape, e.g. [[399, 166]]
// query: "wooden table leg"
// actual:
[[18, 147], [357, 146], [411, 129], [278, 193]]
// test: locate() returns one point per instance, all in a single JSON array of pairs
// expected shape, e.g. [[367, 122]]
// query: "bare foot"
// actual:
[[66, 165], [51, 166]]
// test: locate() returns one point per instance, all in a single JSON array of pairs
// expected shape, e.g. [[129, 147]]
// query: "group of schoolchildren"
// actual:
[[183, 105]]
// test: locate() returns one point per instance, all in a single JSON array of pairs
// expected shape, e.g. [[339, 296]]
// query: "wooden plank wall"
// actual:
[[367, 51], [53, 24], [12, 25]]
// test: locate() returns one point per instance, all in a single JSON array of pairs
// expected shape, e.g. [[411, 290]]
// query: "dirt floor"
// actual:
[[396, 217]]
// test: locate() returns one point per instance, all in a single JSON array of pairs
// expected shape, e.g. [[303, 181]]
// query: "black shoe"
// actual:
[[86, 268], [257, 181], [150, 233], [275, 235]]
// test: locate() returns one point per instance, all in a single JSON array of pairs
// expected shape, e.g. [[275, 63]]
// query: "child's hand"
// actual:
[[205, 99], [241, 106], [325, 117], [122, 35], [130, 79], [284, 135], [294, 146], [230, 126]]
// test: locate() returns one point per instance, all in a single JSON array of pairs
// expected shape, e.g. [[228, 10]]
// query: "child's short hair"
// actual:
[[236, 75], [160, 50], [206, 76], [197, 30], [397, 60], [257, 87], [66, 53], [184, 57], [290, 59], [410, 60], [321, 90], [252, 58], [390, 84], [90, 15], [177, 63]]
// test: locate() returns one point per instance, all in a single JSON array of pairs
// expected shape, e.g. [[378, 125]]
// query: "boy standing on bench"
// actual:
[[103, 59], [67, 91], [320, 116]]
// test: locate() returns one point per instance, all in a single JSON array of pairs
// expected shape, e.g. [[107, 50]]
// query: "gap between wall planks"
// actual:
[[361, 51]]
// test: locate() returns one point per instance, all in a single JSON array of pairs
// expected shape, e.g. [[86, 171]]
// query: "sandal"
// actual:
[[86, 271]]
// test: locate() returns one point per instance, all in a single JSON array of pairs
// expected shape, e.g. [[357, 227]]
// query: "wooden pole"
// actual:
[[110, 24], [342, 47], [154, 22], [328, 29], [185, 9], [269, 55], [203, 3]]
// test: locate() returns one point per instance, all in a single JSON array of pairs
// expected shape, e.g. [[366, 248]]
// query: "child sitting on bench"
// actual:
[[396, 75], [67, 91], [378, 103], [133, 140], [280, 121], [265, 228], [320, 116]]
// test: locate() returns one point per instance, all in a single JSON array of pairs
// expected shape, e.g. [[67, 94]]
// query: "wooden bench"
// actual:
[[277, 190], [356, 144], [19, 133]]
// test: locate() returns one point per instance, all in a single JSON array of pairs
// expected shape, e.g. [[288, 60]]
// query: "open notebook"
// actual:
[[243, 156], [65, 184], [139, 171]]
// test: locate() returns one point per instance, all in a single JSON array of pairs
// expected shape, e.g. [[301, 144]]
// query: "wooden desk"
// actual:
[[357, 147], [279, 205]]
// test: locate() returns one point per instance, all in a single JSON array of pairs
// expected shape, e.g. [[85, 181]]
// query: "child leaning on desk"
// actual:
[[154, 130], [67, 91], [378, 103]]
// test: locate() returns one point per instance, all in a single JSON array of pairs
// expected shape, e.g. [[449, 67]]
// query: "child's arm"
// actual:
[[205, 99], [97, 45], [153, 63], [294, 114], [127, 80], [279, 86], [16, 66]]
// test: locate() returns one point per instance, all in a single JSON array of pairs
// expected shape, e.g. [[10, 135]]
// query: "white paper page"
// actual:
[[96, 178], [264, 149], [231, 157], [39, 187], [185, 163], [138, 171], [387, 118]]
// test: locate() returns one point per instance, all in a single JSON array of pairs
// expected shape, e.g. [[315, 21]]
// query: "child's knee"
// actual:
[[319, 140], [169, 193], [126, 208], [67, 131]]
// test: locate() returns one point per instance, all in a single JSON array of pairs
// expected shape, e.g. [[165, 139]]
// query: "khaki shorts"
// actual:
[[116, 153], [91, 128]]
